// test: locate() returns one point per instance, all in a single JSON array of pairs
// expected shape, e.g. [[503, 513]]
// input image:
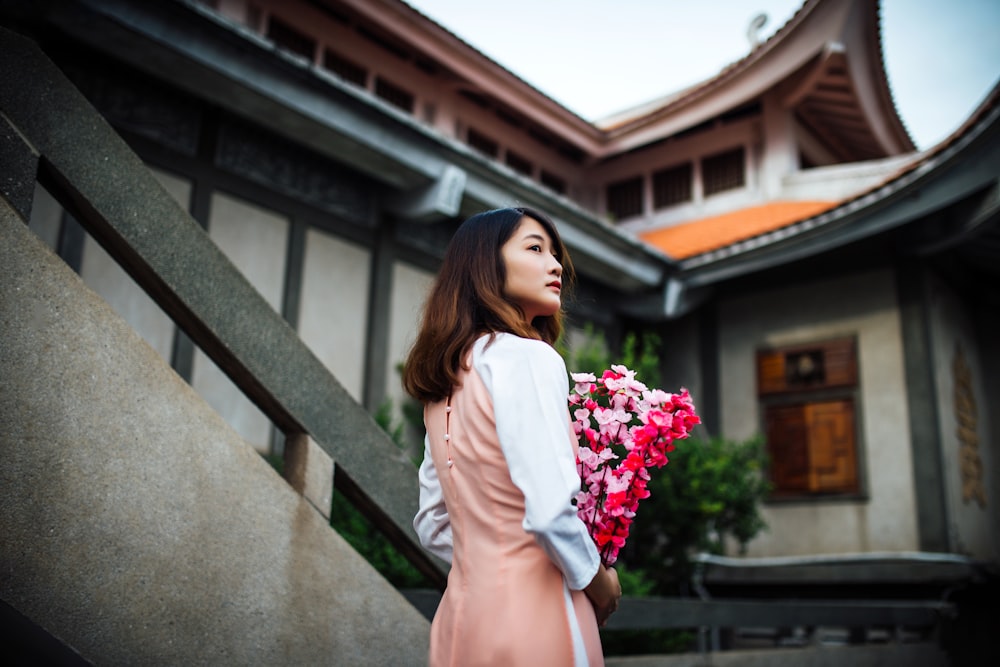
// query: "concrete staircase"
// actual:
[[136, 527]]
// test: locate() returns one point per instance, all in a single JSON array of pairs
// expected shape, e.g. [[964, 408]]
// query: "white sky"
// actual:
[[597, 57]]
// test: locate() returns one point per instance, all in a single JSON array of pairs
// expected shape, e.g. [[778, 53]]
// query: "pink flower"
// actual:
[[617, 418], [657, 418], [656, 396], [591, 460], [584, 382]]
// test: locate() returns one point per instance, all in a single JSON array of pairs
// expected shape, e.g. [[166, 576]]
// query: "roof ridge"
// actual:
[[725, 72]]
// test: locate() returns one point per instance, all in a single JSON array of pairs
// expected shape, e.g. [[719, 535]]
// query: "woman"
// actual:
[[526, 585]]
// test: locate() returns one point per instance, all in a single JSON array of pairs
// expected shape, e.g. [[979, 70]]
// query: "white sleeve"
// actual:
[[529, 386], [432, 523]]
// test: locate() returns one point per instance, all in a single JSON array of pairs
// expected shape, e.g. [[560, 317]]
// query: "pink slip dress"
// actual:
[[507, 602]]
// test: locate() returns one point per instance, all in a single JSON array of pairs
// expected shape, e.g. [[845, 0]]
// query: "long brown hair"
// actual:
[[467, 301]]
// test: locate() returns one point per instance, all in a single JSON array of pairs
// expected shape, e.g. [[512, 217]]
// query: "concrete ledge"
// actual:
[[897, 655], [138, 528]]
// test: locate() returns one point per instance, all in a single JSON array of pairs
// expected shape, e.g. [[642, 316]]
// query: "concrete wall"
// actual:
[[862, 305], [972, 526], [138, 527], [679, 355]]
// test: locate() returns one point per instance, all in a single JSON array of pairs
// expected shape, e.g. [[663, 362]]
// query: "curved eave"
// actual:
[[863, 46], [826, 60], [965, 164]]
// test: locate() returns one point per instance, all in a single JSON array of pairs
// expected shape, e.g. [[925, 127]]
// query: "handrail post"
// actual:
[[309, 470]]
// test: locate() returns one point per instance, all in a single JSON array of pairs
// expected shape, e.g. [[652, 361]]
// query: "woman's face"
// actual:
[[533, 273]]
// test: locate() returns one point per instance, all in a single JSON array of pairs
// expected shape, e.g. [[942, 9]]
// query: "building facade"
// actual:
[[813, 277]]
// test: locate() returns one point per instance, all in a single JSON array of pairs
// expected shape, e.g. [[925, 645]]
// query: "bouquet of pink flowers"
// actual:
[[617, 418]]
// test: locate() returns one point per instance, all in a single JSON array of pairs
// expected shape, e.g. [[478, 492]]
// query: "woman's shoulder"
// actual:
[[510, 347]]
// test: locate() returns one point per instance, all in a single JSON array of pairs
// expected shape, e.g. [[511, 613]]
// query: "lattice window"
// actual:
[[520, 164], [672, 186], [723, 171], [254, 16], [808, 395], [394, 95], [346, 69], [482, 143], [624, 198], [553, 182], [288, 38]]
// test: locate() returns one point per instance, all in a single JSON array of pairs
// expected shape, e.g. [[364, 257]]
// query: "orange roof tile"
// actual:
[[693, 238]]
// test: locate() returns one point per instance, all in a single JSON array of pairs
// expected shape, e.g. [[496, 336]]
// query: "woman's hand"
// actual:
[[604, 592]]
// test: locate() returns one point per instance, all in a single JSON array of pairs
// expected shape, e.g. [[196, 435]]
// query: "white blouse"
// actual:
[[528, 384]]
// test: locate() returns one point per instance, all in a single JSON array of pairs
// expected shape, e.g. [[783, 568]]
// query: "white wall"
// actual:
[[410, 287], [255, 240], [333, 307], [863, 305]]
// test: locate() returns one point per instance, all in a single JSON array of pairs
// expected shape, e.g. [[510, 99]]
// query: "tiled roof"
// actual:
[[705, 235], [699, 236]]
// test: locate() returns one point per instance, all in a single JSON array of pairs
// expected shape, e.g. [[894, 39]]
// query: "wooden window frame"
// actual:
[[553, 182], [397, 96], [673, 185], [486, 145], [345, 68], [519, 163], [289, 38], [809, 400], [626, 198], [724, 171]]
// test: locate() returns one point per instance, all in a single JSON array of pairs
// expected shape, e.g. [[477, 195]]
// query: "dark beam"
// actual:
[[918, 361]]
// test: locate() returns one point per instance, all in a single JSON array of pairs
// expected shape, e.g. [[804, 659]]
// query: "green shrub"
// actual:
[[710, 491], [363, 536]]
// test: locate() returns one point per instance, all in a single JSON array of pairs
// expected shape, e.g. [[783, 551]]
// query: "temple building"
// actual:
[[812, 275]]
